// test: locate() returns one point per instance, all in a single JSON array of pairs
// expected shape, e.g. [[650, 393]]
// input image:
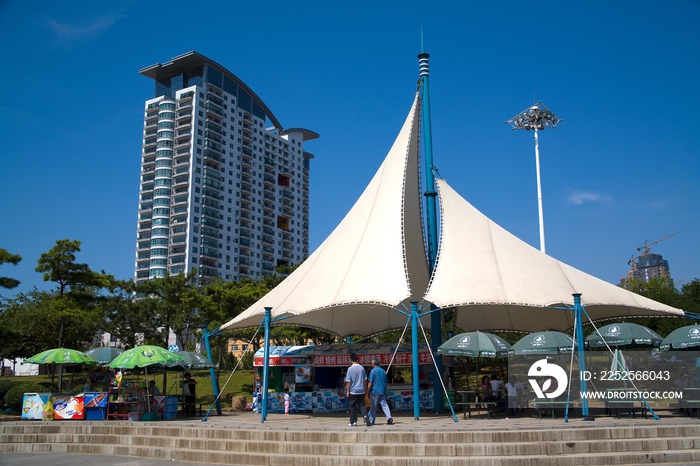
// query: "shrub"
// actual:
[[14, 396], [5, 385], [50, 387], [247, 361]]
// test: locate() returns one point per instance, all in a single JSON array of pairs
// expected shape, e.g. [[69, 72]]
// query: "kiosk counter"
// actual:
[[315, 375]]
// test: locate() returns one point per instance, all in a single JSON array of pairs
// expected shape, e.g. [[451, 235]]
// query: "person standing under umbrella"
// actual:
[[189, 388]]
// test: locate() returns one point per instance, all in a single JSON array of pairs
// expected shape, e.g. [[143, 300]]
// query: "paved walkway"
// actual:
[[339, 422], [431, 422], [404, 421]]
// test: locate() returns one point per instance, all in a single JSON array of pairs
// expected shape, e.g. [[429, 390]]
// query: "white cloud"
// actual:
[[578, 198], [91, 29]]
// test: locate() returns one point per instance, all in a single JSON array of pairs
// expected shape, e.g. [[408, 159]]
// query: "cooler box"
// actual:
[[68, 407], [95, 406], [170, 410], [34, 405]]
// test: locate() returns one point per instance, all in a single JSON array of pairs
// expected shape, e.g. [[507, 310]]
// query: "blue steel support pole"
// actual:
[[266, 364], [581, 355], [414, 351], [212, 372], [431, 213]]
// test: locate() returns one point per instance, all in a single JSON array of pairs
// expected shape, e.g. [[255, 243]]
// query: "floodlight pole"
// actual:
[[432, 230], [536, 118], [539, 191]]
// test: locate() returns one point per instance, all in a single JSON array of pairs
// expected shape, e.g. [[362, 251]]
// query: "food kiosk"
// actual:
[[315, 375]]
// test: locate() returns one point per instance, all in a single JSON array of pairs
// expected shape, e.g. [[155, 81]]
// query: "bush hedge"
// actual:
[[5, 385], [15, 395], [50, 387]]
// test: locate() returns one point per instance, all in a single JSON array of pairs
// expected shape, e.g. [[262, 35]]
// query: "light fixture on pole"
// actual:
[[536, 118]]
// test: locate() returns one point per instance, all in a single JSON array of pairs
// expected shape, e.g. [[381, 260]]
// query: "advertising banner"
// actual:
[[68, 406]]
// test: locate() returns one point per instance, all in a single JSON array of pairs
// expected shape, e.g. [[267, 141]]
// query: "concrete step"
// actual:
[[355, 447]]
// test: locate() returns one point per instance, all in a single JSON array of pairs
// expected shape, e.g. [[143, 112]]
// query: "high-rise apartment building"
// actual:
[[224, 188]]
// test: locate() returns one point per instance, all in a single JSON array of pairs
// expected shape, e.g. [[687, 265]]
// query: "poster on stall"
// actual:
[[302, 374], [68, 407], [33, 405], [95, 400]]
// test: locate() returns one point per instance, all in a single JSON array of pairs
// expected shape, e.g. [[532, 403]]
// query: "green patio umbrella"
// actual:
[[104, 354], [623, 334], [62, 357], [547, 342], [144, 356], [474, 345], [684, 338], [191, 360]]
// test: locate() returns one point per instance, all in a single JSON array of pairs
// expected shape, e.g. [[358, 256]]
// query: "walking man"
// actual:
[[377, 390], [355, 385]]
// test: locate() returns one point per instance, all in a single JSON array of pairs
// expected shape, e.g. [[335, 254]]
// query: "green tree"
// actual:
[[126, 318], [6, 257], [661, 289], [221, 302], [173, 303], [691, 296], [29, 322], [77, 290]]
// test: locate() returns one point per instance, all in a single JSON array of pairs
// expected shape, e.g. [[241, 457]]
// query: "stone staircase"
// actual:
[[231, 445]]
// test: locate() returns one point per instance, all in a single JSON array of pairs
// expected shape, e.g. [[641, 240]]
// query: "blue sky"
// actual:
[[623, 166]]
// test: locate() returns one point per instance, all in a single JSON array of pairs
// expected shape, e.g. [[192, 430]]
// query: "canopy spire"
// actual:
[[431, 206]]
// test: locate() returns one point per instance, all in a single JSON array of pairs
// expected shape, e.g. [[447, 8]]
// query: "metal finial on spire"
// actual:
[[423, 66]]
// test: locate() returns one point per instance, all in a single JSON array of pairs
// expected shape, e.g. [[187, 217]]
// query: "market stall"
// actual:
[[315, 375]]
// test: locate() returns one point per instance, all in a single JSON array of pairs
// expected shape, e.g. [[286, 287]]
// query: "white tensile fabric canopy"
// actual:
[[498, 282], [371, 264], [374, 263]]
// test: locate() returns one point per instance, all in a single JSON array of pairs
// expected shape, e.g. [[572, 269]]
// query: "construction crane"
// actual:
[[647, 246]]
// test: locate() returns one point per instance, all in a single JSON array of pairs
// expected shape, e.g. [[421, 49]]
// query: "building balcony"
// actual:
[[186, 96], [216, 99], [210, 154], [183, 123], [214, 109], [211, 135]]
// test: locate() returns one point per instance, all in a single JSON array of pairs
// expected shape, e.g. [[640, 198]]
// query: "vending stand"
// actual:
[[315, 375], [37, 406]]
